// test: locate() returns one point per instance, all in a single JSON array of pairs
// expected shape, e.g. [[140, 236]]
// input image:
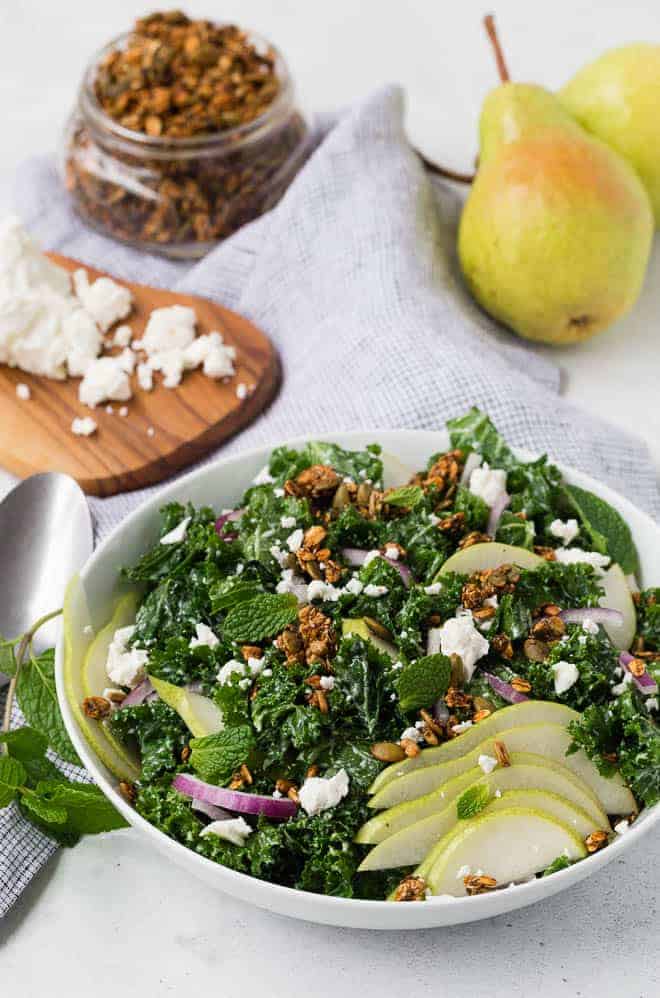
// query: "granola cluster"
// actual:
[[311, 639]]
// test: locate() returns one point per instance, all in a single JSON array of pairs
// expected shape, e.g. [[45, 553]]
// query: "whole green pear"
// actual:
[[555, 235], [617, 98]]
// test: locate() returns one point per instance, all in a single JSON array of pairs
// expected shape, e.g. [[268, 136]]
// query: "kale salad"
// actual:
[[438, 688]]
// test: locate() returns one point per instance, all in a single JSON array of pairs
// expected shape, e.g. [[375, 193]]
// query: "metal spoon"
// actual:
[[45, 537]]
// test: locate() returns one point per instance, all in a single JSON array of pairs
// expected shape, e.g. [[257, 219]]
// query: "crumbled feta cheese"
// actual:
[[84, 426], [267, 672], [145, 377], [171, 363], [127, 360], [498, 793], [572, 556], [104, 379], [292, 583], [566, 674], [241, 391], [294, 540], [219, 363], [459, 636], [487, 763], [327, 683], [288, 522], [263, 478], [434, 520], [622, 686], [460, 728], [488, 483], [319, 793], [122, 337], [205, 637], [105, 300], [411, 734], [392, 552], [123, 411], [434, 589], [255, 666], [233, 666], [278, 493], [651, 703], [318, 589], [23, 392], [234, 830], [150, 431], [178, 533], [280, 556], [354, 586], [590, 626], [375, 591], [125, 666], [109, 409], [245, 683], [277, 794], [622, 826], [169, 328], [566, 530]]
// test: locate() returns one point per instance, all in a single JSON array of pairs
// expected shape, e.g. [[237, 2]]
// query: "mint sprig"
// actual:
[[406, 497], [472, 801], [423, 681], [261, 617]]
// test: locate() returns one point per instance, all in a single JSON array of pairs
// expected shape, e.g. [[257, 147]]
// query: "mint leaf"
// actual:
[[261, 617], [230, 593], [561, 863], [42, 810], [7, 657], [472, 801], [216, 757], [406, 497], [88, 812], [605, 527], [29, 747], [12, 776], [37, 698], [423, 681]]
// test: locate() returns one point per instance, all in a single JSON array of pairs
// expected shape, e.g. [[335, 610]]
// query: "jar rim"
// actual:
[[96, 116]]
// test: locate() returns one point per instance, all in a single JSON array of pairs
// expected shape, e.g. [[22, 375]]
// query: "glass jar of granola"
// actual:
[[183, 131]]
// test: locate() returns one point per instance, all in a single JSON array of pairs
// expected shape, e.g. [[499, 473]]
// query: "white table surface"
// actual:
[[109, 918]]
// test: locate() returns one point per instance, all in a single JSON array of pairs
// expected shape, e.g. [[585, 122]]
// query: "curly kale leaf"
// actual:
[[159, 732], [287, 463], [363, 690], [351, 529], [200, 543], [621, 731], [648, 618], [475, 432], [595, 659], [178, 663], [289, 728], [427, 548], [174, 607], [260, 528], [512, 530], [475, 510]]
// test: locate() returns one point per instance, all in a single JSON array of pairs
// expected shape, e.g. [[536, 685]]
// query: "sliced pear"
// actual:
[[529, 712], [526, 772], [395, 472], [197, 712], [509, 845], [94, 675], [415, 844], [76, 644], [617, 597], [480, 557], [359, 626], [549, 740]]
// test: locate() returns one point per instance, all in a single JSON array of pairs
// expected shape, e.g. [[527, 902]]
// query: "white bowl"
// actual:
[[222, 484]]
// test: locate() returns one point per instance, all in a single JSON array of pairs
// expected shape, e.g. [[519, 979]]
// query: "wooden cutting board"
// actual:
[[187, 421]]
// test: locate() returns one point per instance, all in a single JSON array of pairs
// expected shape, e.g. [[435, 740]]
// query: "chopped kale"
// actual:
[[159, 732]]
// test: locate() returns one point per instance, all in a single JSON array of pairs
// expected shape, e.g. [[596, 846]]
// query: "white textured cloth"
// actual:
[[354, 277]]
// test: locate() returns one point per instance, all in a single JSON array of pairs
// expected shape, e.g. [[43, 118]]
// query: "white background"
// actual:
[[109, 918]]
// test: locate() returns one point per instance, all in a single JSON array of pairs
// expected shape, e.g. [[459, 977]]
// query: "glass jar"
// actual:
[[179, 196]]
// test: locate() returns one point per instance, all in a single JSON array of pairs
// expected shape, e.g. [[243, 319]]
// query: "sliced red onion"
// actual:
[[141, 694], [645, 683], [505, 690], [598, 614], [357, 556], [231, 517], [473, 461], [496, 511], [210, 810], [354, 556], [279, 809]]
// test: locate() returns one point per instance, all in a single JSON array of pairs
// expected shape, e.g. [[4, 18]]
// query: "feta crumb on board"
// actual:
[[123, 411], [145, 376], [319, 793], [168, 328], [104, 379], [23, 392], [122, 336], [104, 299], [84, 426], [242, 391]]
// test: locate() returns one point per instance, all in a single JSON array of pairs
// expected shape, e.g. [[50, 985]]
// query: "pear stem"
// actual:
[[443, 171], [491, 31]]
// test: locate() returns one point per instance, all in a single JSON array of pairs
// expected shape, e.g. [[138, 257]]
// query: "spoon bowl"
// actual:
[[45, 537]]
